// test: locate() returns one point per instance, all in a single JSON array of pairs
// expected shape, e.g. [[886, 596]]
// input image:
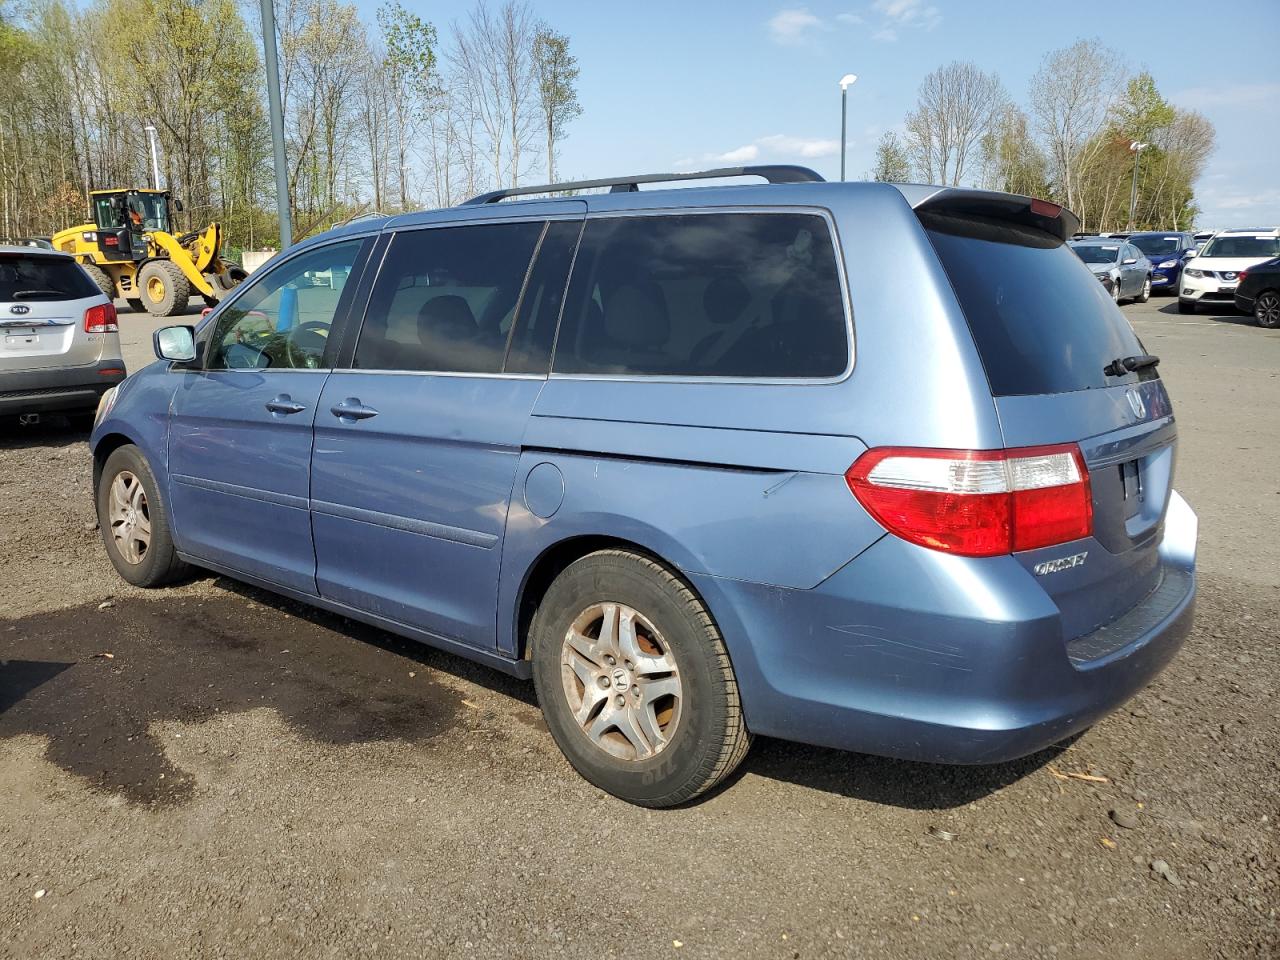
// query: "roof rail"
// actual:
[[774, 173]]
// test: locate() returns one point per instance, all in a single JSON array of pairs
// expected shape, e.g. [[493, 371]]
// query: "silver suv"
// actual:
[[61, 346]]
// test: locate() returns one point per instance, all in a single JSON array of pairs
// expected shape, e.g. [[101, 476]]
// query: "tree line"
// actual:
[[384, 117], [1071, 143]]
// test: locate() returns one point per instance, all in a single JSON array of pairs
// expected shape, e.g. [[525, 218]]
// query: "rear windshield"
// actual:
[[1096, 254], [1242, 247], [1157, 246], [43, 278], [1040, 319]]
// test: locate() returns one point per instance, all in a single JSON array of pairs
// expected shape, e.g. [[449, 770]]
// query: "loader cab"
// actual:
[[124, 217]]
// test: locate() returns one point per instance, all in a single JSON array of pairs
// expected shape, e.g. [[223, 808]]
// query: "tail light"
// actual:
[[101, 319], [977, 503], [1241, 275]]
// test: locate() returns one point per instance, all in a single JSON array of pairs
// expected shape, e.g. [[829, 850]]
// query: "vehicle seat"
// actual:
[[449, 336], [636, 326], [723, 301]]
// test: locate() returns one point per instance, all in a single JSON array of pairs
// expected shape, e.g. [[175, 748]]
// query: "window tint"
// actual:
[[282, 321], [716, 295], [1041, 321], [445, 298], [530, 349], [42, 277]]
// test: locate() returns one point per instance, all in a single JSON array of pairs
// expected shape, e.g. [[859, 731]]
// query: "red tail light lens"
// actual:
[[101, 319], [977, 503]]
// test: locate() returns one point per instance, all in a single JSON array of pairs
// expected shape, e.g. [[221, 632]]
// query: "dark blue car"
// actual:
[[869, 466], [1168, 251]]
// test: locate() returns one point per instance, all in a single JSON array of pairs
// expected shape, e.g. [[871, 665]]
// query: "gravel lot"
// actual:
[[209, 771]]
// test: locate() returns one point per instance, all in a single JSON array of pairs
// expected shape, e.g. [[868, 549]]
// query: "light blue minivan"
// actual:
[[870, 466]]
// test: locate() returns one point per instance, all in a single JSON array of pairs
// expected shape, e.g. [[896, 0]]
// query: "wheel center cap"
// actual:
[[621, 682]]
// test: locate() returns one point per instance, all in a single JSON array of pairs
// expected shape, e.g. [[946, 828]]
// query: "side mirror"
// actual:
[[177, 204], [175, 344]]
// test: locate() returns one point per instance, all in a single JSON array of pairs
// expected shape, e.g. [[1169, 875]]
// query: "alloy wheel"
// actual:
[[129, 517], [621, 681], [1266, 309]]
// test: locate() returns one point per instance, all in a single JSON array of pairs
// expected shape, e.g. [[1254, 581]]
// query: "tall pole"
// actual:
[[844, 125], [1137, 149], [272, 66], [155, 163]]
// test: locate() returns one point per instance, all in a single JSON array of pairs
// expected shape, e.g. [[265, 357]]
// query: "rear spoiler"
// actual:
[[1053, 219]]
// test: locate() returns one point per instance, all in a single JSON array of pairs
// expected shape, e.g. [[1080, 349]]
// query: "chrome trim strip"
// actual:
[[248, 493], [437, 531]]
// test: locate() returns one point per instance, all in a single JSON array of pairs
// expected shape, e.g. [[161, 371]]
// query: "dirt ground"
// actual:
[[208, 771]]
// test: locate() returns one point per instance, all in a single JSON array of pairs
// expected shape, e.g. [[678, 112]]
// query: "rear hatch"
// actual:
[[43, 299], [1053, 343]]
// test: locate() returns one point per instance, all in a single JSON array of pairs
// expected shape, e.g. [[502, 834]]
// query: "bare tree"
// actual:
[[557, 71], [956, 107], [1072, 96]]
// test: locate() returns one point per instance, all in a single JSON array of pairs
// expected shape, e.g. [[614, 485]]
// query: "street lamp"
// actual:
[[1137, 149], [845, 82], [155, 164]]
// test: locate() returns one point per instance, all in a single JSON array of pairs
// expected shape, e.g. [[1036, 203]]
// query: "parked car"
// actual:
[[1258, 293], [1167, 251], [1203, 237], [1121, 267], [1212, 275], [44, 243], [622, 443], [61, 349]]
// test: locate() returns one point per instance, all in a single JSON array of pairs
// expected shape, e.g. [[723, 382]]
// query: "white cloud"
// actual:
[[793, 25], [743, 154], [850, 19], [885, 35], [1236, 95], [909, 13], [809, 149]]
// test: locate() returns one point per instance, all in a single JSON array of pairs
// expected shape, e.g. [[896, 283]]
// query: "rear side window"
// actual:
[[446, 298], [43, 278], [705, 295], [1040, 319]]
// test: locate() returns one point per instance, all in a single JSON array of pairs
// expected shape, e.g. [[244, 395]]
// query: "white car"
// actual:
[[1211, 276]]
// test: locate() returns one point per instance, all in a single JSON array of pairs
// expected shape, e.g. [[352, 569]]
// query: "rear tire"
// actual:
[[165, 289], [134, 521], [1186, 306], [101, 280], [1266, 309], [635, 681]]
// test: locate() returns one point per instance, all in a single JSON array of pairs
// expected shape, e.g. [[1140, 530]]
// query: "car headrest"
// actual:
[[448, 318], [724, 299], [636, 316]]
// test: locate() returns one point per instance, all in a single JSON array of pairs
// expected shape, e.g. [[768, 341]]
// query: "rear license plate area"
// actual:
[[20, 337]]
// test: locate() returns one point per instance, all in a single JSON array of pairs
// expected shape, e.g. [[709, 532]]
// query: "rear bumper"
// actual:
[[72, 389], [912, 654]]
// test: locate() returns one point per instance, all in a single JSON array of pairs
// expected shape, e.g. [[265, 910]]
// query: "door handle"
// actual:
[[351, 409], [284, 405]]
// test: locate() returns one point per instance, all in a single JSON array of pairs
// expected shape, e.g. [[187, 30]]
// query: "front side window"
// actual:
[[446, 298], [739, 295], [283, 320]]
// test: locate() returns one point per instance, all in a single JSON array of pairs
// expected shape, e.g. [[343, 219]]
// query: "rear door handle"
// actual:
[[351, 409], [284, 405]]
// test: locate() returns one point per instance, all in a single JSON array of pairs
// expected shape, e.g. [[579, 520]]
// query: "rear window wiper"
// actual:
[[29, 294], [1122, 365]]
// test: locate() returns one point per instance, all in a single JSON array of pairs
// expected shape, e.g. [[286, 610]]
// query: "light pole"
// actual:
[[155, 163], [277, 121], [845, 82], [1137, 149]]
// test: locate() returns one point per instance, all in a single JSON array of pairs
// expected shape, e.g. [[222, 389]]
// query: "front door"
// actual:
[[418, 442], [240, 431]]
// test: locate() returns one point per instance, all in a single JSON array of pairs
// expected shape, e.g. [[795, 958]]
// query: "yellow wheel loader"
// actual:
[[132, 253]]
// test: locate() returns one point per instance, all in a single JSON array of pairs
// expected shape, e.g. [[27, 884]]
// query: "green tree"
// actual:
[[893, 164], [412, 77], [557, 72]]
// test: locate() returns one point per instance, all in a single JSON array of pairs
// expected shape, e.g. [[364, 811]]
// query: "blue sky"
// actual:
[[685, 84]]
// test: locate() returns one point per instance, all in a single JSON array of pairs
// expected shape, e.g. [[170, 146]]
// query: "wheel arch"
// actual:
[[104, 447]]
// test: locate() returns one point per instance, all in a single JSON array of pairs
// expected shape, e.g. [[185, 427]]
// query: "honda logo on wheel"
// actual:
[[19, 308]]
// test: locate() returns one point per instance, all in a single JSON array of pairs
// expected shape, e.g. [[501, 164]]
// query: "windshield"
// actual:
[[1157, 246], [1095, 253], [152, 209], [1242, 247], [1040, 320]]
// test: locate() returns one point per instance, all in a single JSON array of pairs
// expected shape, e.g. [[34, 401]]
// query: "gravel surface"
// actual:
[[208, 771]]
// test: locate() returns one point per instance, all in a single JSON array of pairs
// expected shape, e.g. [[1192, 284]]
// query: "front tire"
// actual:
[[1266, 309], [165, 289], [134, 521], [1146, 291], [635, 682]]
